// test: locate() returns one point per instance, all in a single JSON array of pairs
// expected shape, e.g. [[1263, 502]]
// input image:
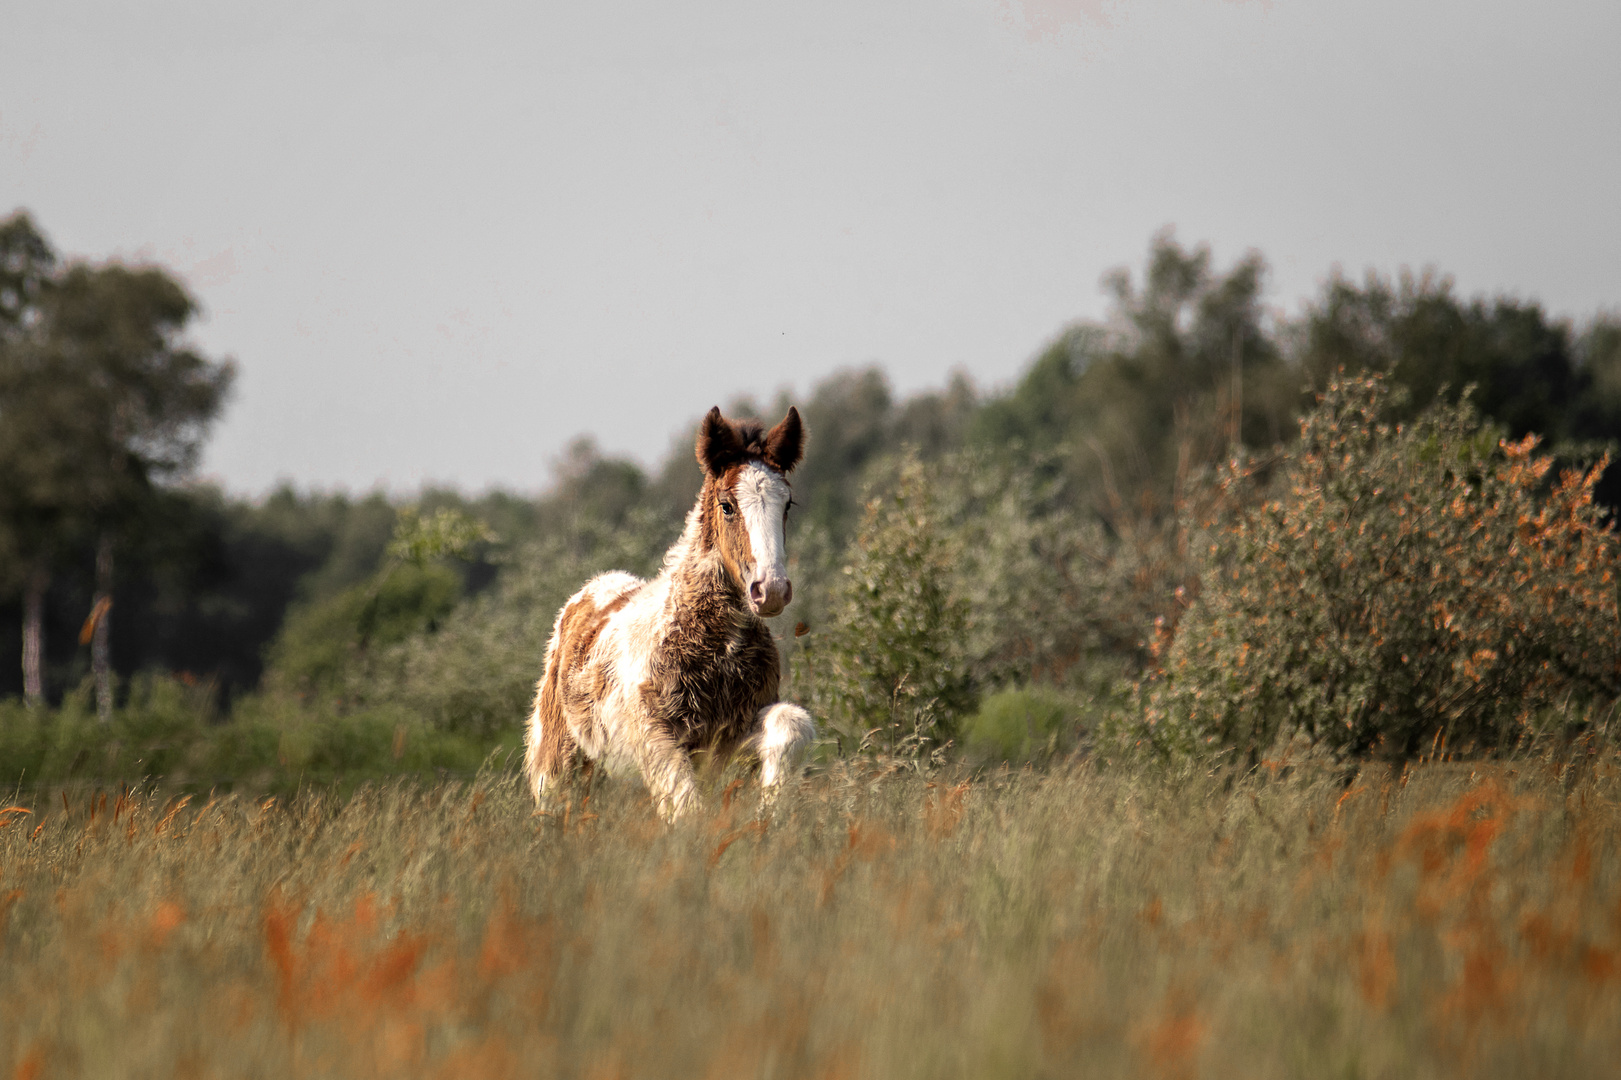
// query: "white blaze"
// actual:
[[762, 495]]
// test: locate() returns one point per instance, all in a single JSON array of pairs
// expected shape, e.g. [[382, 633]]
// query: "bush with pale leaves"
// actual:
[[1396, 587]]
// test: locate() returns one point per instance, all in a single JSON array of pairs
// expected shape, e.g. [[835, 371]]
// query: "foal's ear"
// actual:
[[718, 447], [785, 443]]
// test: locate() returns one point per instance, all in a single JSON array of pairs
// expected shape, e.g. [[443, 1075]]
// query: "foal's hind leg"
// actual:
[[552, 754]]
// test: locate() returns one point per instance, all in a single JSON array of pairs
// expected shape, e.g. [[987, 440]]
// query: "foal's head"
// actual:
[[745, 501]]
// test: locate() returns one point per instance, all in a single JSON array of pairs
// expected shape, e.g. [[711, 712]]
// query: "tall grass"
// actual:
[[1446, 920]]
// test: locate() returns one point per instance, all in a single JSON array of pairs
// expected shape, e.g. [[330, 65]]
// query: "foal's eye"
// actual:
[[790, 506], [727, 508]]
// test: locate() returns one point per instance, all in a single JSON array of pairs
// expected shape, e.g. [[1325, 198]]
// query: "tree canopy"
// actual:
[[101, 402]]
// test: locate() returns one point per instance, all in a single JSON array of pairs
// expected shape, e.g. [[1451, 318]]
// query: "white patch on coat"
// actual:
[[785, 731]]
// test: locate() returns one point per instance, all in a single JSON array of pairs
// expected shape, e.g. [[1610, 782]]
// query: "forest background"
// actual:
[[995, 576]]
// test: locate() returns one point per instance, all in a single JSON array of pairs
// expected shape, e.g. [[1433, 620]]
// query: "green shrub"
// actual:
[[24, 742], [475, 674], [276, 742], [889, 670], [168, 729], [1027, 724], [1050, 596], [1397, 586], [160, 731], [321, 642]]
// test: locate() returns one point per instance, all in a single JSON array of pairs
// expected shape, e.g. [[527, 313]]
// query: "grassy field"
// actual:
[[1447, 920]]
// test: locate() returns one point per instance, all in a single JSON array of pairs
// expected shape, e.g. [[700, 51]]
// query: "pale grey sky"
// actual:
[[441, 240]]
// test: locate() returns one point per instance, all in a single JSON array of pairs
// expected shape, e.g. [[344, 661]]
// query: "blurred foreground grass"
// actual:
[[1448, 920]]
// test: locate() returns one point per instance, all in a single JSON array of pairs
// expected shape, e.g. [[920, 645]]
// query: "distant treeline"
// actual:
[[1106, 434]]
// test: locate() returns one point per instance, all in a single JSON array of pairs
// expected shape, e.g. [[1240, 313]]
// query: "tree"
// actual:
[[26, 263], [101, 402], [1182, 372], [1127, 413], [1520, 363], [113, 334], [849, 418], [1598, 360], [1598, 355], [29, 469]]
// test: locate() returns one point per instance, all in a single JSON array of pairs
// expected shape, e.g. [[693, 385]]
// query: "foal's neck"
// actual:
[[693, 568]]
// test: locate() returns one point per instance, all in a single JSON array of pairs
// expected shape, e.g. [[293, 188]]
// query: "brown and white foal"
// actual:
[[654, 671]]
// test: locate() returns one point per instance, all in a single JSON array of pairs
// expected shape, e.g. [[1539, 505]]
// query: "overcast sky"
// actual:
[[441, 240]]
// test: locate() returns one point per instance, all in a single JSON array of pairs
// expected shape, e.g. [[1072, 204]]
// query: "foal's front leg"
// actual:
[[667, 771], [784, 732]]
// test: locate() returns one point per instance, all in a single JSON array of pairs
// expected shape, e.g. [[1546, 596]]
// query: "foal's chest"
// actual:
[[711, 679]]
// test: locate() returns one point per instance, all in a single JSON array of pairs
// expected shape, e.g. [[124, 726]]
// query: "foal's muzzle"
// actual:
[[768, 596]]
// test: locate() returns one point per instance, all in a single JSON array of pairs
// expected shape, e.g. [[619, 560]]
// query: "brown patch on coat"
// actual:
[[554, 753], [717, 665]]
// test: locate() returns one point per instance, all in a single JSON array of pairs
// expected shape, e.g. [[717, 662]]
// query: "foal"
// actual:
[[655, 671]]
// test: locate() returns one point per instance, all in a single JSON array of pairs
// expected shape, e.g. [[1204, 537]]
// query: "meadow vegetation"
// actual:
[[959, 558], [1436, 919], [1231, 696]]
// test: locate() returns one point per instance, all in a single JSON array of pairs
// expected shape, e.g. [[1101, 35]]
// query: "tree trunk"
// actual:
[[101, 653], [34, 635]]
